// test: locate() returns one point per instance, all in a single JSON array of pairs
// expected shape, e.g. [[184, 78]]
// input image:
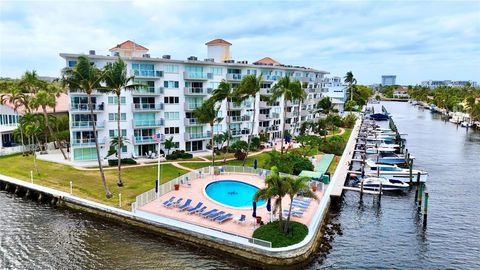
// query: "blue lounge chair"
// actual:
[[301, 206], [208, 213], [172, 203], [168, 201], [301, 201], [197, 211], [240, 219], [224, 218], [185, 205], [195, 208], [216, 215], [294, 213], [305, 200]]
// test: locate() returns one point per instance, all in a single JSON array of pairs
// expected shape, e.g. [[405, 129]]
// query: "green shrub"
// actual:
[[178, 154], [255, 143], [291, 163], [349, 120], [350, 105], [271, 232], [239, 145], [240, 155], [123, 161]]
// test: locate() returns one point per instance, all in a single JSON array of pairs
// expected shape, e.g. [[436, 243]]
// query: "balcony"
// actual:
[[87, 125], [147, 107], [287, 126], [191, 107], [81, 92], [265, 91], [238, 132], [198, 136], [147, 73], [197, 76], [239, 118], [147, 91], [83, 107], [234, 77], [148, 123], [264, 104], [271, 78], [143, 140], [87, 142], [197, 91], [192, 122]]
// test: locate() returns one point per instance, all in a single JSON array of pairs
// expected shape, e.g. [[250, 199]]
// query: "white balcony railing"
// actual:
[[147, 106], [148, 123]]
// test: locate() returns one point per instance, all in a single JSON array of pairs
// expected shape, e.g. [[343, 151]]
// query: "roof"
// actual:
[[267, 61], [62, 106], [129, 45], [314, 175], [218, 41]]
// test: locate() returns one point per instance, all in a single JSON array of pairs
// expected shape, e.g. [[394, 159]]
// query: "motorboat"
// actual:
[[373, 183], [376, 150], [466, 124], [393, 171], [379, 117]]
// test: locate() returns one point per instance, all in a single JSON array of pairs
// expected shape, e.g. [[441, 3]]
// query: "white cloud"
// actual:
[[415, 40]]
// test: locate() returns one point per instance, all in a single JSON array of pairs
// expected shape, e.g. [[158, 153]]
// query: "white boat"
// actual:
[[466, 124], [382, 144], [380, 150], [393, 172], [373, 183]]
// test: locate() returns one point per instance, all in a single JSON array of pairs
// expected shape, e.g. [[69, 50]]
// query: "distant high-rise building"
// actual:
[[389, 79]]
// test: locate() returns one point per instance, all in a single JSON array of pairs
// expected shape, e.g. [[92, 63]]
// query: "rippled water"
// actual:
[[36, 236], [391, 236]]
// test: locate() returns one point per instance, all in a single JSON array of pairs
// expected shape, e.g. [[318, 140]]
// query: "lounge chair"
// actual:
[[306, 200], [172, 203], [168, 201], [195, 208], [240, 219], [297, 205], [197, 211], [185, 205], [301, 201], [208, 213], [215, 215], [293, 213], [224, 218]]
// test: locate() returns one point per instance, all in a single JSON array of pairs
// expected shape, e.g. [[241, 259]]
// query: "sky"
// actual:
[[415, 40]]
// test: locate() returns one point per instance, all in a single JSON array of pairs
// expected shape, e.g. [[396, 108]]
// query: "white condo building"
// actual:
[[175, 89]]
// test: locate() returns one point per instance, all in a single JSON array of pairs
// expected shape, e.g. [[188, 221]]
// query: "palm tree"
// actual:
[[44, 99], [249, 87], [295, 186], [168, 144], [30, 83], [208, 114], [351, 81], [30, 126], [116, 80], [291, 91], [87, 77], [225, 92], [325, 106], [277, 188]]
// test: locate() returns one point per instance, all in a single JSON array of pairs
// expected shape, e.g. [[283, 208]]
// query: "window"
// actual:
[[72, 63], [172, 115], [172, 130], [170, 84], [84, 154], [171, 69], [113, 133], [213, 85], [143, 69], [114, 100], [171, 100], [114, 117], [251, 72], [216, 70], [218, 128], [124, 149]]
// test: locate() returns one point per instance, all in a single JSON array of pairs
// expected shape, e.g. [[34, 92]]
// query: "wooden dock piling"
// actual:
[[425, 210], [418, 186], [361, 190], [420, 193]]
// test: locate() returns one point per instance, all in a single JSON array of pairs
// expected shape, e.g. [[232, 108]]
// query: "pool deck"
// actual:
[[196, 193]]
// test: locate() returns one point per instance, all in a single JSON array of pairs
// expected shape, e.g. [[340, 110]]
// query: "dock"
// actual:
[[373, 192]]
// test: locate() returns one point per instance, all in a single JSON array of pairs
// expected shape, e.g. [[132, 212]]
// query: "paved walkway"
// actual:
[[178, 163]]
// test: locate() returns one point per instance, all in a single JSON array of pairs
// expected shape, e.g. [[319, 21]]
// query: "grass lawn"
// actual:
[[271, 232], [88, 184], [333, 165]]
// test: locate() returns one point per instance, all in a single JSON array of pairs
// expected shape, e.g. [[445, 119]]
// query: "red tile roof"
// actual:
[[218, 41], [62, 106], [267, 61], [129, 45]]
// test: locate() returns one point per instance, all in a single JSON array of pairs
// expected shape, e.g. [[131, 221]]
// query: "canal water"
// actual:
[[390, 236]]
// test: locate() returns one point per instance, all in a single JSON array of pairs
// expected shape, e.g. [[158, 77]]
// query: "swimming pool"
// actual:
[[232, 193]]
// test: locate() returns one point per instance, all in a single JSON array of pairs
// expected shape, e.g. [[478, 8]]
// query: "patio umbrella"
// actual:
[[254, 214], [269, 208], [255, 164]]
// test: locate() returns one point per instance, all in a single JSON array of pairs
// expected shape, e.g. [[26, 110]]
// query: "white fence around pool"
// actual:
[[185, 179]]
